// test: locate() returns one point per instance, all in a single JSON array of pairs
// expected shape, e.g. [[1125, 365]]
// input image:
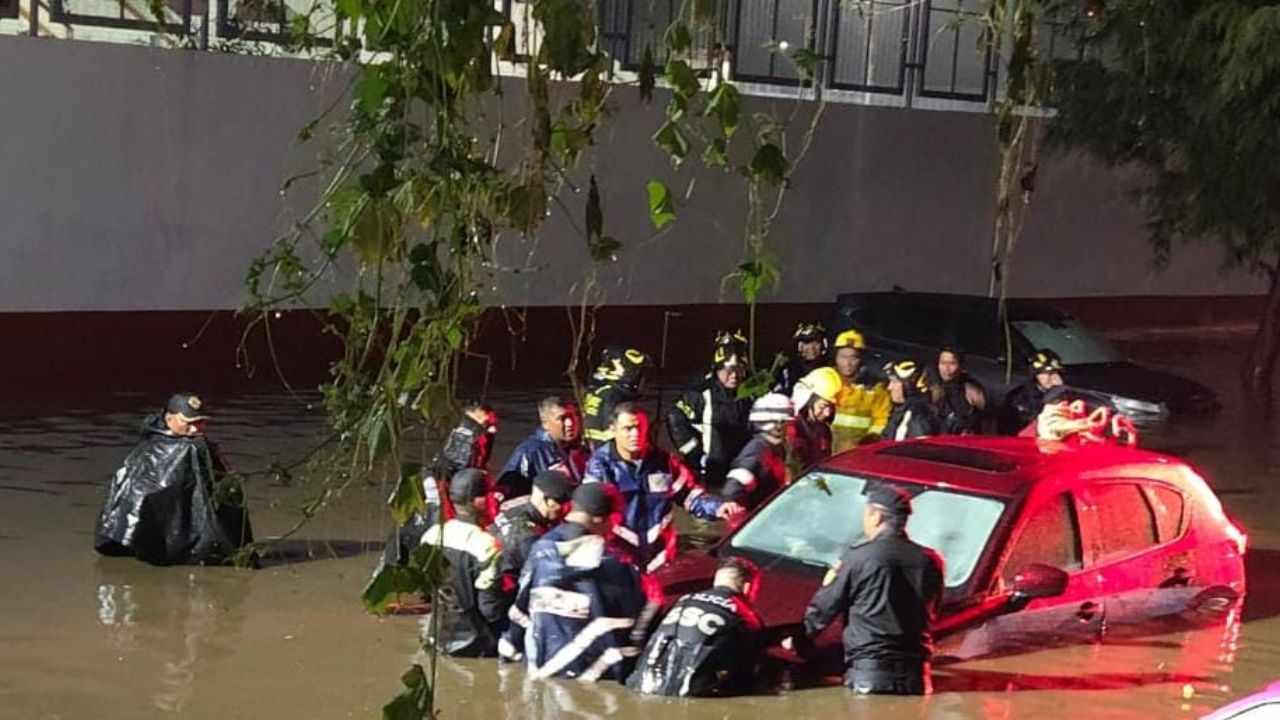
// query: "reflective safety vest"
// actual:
[[861, 410]]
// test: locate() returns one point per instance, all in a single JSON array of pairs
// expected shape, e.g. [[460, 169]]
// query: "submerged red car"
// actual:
[[1043, 542]]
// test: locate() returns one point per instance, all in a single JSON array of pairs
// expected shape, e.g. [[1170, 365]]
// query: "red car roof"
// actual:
[[1002, 466]]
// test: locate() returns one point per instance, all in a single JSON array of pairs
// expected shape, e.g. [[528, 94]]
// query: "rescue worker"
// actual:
[[1023, 404], [809, 437], [761, 467], [578, 599], [555, 445], [811, 353], [617, 379], [862, 410], [468, 445], [173, 501], [708, 424], [471, 607], [651, 482], [525, 519], [710, 642], [889, 589], [961, 400], [914, 414]]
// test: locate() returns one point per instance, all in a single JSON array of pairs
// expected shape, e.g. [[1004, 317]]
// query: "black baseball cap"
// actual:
[[188, 405], [593, 499], [553, 484], [891, 499], [467, 485]]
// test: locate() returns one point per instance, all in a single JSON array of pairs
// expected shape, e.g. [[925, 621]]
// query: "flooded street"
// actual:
[[83, 636]]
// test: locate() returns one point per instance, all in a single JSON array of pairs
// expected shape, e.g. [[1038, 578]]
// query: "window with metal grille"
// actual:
[[270, 20], [765, 30], [869, 45], [8, 8], [124, 14], [955, 63]]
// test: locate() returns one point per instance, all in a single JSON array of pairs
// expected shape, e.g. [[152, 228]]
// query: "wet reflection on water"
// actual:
[[82, 636]]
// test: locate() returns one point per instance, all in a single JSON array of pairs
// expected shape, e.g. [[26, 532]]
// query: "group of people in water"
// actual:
[[552, 558]]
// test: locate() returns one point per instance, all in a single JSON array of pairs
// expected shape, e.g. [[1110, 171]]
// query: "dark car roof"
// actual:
[[1019, 308], [999, 466]]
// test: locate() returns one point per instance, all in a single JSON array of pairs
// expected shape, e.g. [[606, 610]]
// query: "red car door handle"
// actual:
[[1087, 611]]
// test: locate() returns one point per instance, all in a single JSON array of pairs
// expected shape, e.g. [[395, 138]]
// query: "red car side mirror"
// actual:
[[1037, 581]]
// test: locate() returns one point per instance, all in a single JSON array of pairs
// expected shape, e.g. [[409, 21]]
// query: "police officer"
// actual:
[[556, 444], [961, 400], [709, 424], [1023, 404], [578, 600], [709, 643], [809, 437], [863, 406], [913, 414], [651, 482], [523, 520], [761, 467], [889, 589], [617, 379], [811, 353], [471, 607]]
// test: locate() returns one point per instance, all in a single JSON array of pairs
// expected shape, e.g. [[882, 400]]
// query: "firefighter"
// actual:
[[961, 400], [710, 642], [471, 606], [914, 414], [709, 424], [525, 519], [862, 410], [555, 445], [888, 589], [761, 467], [617, 379], [578, 601], [809, 437], [1023, 404], [651, 482], [811, 353]]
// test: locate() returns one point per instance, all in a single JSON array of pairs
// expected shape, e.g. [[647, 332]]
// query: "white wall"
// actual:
[[133, 178]]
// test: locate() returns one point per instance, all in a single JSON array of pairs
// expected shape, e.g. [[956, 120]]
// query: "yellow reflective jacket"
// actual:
[[861, 410]]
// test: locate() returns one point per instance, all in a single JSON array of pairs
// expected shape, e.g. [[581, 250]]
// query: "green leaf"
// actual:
[[333, 241], [504, 45], [677, 38], [371, 89], [661, 210], [416, 702], [726, 105], [350, 8], [806, 62], [594, 212], [768, 165], [432, 566], [648, 74], [715, 154], [408, 499], [605, 249], [682, 78], [569, 28], [390, 582], [703, 11], [672, 140], [453, 336]]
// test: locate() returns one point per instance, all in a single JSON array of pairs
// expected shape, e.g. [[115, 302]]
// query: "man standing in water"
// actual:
[[889, 589]]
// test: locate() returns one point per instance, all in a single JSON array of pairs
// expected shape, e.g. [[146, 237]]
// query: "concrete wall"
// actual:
[[140, 179]]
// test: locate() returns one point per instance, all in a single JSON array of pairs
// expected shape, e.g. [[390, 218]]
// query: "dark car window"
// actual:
[[1167, 507], [978, 334], [1125, 522], [919, 324], [1051, 536]]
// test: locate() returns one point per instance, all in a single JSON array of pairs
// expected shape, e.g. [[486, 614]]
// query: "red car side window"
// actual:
[[1051, 536], [1125, 522], [1167, 507]]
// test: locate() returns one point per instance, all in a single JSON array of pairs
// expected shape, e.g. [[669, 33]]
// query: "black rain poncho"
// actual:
[[165, 505]]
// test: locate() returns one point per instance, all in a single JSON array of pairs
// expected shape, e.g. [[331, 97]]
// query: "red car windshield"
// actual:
[[820, 515]]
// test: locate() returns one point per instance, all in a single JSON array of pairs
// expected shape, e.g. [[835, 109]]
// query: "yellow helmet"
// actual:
[[824, 383], [850, 339], [910, 373]]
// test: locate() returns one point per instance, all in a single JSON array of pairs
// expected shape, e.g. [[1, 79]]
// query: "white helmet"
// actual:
[[771, 408]]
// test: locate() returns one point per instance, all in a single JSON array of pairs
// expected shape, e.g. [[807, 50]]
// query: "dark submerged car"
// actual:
[[915, 325], [1043, 543]]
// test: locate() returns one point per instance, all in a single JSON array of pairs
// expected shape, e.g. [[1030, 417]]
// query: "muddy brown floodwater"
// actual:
[[89, 637]]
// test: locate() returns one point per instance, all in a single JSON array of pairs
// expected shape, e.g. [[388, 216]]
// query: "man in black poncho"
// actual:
[[170, 502]]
